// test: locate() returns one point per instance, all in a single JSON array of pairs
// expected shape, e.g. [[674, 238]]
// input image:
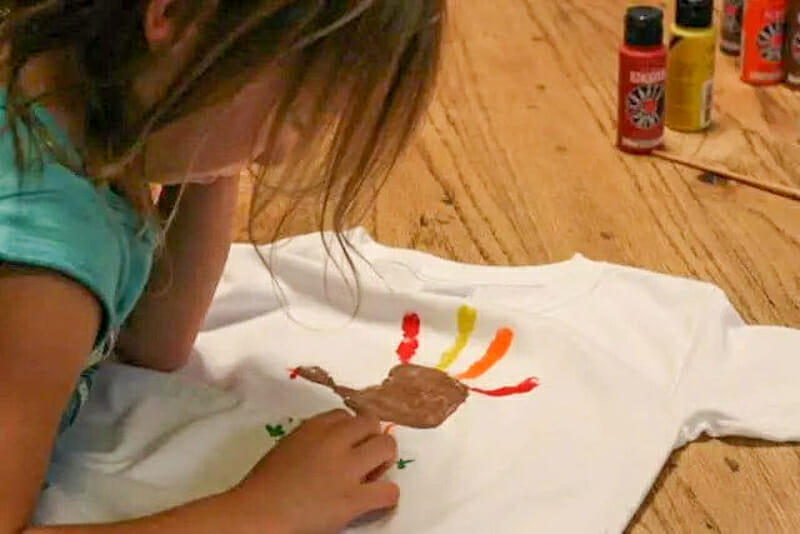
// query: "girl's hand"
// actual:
[[321, 477]]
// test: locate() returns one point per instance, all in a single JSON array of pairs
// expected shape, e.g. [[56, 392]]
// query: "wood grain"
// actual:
[[515, 165]]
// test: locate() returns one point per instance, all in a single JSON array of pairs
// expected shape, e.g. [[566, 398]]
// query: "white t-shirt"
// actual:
[[629, 365]]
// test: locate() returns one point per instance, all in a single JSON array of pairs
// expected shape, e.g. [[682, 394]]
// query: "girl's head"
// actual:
[[322, 93]]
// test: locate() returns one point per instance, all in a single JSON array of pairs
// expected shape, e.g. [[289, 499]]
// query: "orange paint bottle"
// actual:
[[762, 41]]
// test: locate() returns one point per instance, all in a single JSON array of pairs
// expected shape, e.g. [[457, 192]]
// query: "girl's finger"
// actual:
[[356, 430], [333, 417], [373, 454], [381, 495], [377, 473]]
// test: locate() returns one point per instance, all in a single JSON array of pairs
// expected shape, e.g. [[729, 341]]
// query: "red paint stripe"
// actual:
[[407, 348], [526, 386], [411, 325]]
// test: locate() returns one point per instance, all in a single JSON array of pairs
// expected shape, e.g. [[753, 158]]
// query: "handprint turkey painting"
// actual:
[[425, 397]]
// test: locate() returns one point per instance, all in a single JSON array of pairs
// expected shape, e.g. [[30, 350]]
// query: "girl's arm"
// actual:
[[46, 332], [162, 330], [47, 329], [207, 516]]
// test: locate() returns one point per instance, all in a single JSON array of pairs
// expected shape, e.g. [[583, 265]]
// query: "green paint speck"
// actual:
[[275, 431], [402, 464]]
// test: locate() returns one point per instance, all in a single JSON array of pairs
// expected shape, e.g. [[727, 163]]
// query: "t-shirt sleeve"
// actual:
[[56, 220], [742, 380]]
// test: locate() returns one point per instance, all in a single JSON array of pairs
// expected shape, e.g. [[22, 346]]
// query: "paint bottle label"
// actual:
[[792, 49], [690, 79], [794, 77], [731, 41], [762, 41], [707, 103], [642, 93]]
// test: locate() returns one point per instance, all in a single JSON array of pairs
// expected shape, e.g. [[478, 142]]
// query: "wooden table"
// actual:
[[515, 165]]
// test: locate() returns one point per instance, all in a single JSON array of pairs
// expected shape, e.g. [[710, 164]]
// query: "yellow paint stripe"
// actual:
[[465, 322]]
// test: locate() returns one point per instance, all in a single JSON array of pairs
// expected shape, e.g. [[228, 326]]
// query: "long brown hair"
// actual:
[[368, 66]]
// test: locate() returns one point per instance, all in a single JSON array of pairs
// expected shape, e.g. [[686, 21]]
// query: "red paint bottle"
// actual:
[[642, 77]]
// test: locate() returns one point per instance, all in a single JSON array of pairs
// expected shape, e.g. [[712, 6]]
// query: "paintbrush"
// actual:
[[770, 187]]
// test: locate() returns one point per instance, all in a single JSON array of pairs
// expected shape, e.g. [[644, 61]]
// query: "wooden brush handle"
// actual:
[[777, 189]]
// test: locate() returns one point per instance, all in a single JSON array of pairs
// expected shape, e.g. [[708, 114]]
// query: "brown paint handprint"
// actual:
[[424, 397]]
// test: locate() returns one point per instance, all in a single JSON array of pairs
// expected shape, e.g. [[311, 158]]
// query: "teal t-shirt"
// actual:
[[52, 218]]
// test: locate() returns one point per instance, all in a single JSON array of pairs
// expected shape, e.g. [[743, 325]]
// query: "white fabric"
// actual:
[[632, 364]]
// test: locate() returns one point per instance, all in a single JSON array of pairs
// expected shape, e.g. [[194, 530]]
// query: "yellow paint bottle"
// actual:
[[690, 68]]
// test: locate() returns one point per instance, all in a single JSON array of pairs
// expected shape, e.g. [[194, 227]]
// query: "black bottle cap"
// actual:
[[695, 13], [644, 26]]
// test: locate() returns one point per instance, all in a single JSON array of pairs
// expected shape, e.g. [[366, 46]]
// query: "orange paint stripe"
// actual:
[[497, 349]]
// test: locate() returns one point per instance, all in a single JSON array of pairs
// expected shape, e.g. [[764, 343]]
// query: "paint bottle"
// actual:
[[791, 52], [690, 68], [731, 41], [762, 41], [642, 74]]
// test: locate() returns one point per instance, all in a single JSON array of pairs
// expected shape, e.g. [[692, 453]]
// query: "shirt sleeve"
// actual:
[[56, 220], [741, 380]]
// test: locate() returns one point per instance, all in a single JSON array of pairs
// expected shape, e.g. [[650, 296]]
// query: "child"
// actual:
[[101, 99]]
